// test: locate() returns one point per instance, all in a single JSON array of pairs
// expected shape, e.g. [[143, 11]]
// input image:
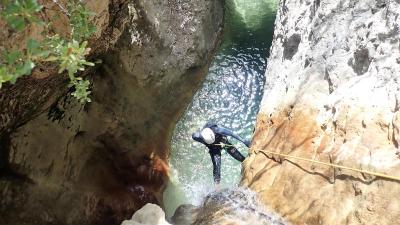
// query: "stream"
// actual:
[[229, 96]]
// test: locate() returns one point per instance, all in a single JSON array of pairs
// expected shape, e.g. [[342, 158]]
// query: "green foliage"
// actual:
[[81, 28], [35, 50], [72, 57], [81, 89], [12, 67], [18, 13], [69, 54]]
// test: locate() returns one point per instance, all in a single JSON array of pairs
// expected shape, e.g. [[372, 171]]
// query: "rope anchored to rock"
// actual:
[[265, 152]]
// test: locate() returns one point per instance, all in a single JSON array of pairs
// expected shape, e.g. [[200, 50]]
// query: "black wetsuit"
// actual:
[[221, 134]]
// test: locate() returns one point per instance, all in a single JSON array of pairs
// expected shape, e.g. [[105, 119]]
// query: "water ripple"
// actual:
[[230, 96]]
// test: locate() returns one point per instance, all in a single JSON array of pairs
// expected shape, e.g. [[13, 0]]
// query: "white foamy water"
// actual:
[[239, 206]]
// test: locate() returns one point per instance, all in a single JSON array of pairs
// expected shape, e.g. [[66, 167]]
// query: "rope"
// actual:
[[377, 174]]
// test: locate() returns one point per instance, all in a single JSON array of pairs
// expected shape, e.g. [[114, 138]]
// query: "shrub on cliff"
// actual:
[[69, 53]]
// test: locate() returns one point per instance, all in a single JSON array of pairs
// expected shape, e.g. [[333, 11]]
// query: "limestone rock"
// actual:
[[331, 94], [65, 163], [150, 214], [228, 206]]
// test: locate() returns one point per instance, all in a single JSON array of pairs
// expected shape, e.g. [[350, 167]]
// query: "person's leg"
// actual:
[[234, 152], [216, 161]]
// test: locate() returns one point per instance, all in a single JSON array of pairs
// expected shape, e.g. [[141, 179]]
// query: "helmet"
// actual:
[[208, 135]]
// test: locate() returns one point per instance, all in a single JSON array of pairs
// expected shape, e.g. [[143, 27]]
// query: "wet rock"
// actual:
[[228, 206], [342, 107], [184, 215], [150, 214], [65, 163]]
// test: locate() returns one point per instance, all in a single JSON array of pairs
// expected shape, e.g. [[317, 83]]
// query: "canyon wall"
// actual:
[[331, 94], [66, 163]]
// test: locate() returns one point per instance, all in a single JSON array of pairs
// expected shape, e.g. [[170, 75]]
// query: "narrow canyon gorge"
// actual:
[[312, 79]]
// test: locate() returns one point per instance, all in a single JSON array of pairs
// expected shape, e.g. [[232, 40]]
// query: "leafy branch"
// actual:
[[20, 12], [69, 54]]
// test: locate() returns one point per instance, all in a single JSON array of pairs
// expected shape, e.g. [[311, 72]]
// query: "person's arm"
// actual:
[[209, 124], [227, 132]]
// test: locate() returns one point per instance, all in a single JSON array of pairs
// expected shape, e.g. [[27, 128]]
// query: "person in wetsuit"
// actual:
[[213, 136]]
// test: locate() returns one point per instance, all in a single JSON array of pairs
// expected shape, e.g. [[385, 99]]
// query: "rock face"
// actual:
[[64, 163], [332, 94], [32, 95]]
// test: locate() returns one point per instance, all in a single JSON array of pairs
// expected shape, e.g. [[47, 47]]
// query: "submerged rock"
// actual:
[[229, 206], [331, 94]]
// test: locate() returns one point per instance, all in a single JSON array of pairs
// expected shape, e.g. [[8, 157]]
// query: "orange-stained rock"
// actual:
[[310, 193], [331, 94]]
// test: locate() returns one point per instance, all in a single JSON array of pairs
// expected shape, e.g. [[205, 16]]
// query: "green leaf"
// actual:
[[36, 50], [52, 59], [12, 57], [88, 63], [16, 23], [24, 69], [33, 19], [82, 28], [62, 69], [18, 12], [5, 76], [32, 6], [73, 57], [43, 54], [12, 8], [81, 89], [32, 46]]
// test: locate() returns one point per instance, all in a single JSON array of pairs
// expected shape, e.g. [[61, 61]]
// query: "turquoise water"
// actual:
[[230, 96]]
